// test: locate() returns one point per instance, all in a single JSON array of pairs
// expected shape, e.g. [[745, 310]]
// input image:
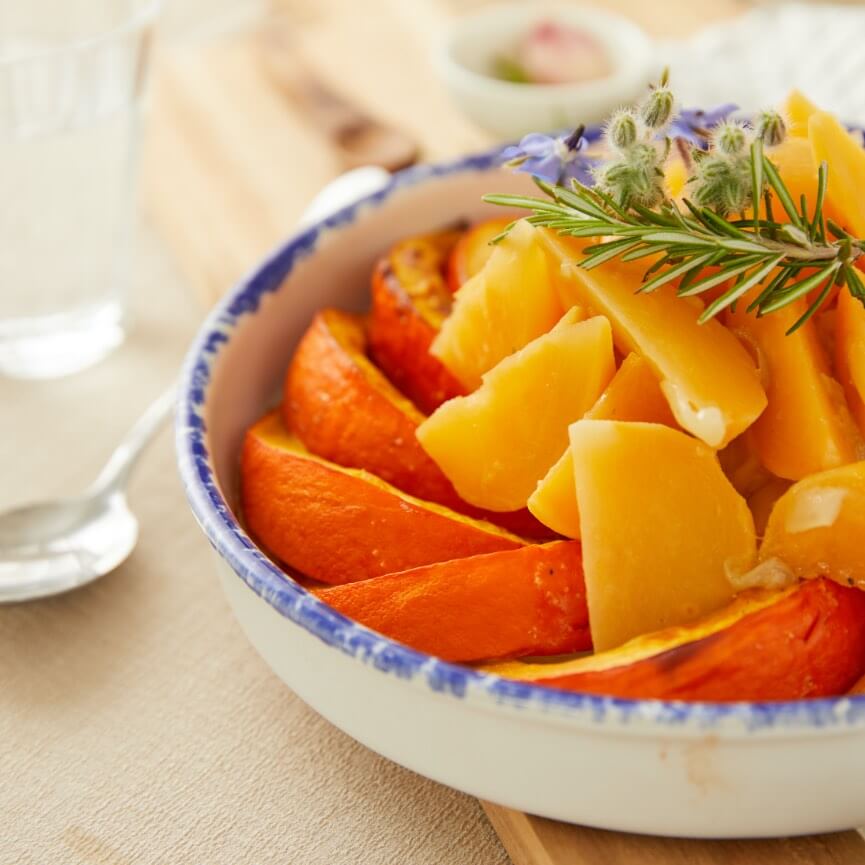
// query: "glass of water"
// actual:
[[71, 77]]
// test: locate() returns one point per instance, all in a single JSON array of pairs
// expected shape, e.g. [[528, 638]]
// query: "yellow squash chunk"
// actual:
[[743, 466], [633, 394], [794, 158], [660, 526], [832, 143], [554, 501], [676, 175], [850, 353], [798, 109], [708, 378], [495, 444], [817, 527], [763, 499], [806, 426], [511, 301]]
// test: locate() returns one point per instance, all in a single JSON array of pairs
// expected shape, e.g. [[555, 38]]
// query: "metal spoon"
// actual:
[[55, 546]]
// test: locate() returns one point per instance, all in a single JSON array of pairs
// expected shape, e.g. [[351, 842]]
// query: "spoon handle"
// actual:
[[116, 472]]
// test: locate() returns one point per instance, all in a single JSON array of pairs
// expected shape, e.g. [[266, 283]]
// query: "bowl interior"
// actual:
[[328, 267]]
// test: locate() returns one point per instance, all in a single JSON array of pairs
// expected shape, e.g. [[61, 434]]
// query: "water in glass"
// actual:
[[70, 85]]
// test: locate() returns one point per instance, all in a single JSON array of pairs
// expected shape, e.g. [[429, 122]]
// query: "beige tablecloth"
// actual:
[[137, 725]]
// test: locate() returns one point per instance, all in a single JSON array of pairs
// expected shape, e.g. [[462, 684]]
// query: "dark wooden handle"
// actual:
[[358, 138], [281, 55]]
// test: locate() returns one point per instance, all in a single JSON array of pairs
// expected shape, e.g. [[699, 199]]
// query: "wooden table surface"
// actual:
[[136, 723]]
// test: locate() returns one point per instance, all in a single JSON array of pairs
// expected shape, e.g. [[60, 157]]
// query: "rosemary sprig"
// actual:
[[744, 251], [622, 202]]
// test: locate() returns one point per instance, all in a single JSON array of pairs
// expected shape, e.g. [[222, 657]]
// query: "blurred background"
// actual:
[[254, 105], [225, 105]]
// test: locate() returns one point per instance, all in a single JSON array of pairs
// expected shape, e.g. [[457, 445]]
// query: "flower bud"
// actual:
[[657, 108], [622, 129], [647, 154], [722, 183], [771, 128], [730, 138], [738, 195], [714, 169], [634, 177]]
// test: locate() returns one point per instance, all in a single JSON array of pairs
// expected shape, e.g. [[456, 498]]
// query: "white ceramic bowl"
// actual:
[[699, 769], [465, 55]]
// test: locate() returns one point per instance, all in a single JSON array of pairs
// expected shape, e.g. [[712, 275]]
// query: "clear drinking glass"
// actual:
[[71, 76]]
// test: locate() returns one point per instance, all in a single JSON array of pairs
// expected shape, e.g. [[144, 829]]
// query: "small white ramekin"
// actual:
[[510, 110]]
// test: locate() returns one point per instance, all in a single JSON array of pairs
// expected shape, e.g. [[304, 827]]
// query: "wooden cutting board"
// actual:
[[229, 167], [532, 840]]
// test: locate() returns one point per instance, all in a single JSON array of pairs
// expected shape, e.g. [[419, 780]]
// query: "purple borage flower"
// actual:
[[554, 159], [692, 124], [558, 159]]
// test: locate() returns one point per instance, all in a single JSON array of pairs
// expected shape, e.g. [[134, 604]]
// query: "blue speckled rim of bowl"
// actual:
[[391, 658]]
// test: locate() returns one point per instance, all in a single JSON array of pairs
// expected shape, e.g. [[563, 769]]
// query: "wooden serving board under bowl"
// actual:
[[228, 168]]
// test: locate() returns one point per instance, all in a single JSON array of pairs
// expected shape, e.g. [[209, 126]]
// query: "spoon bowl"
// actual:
[[52, 547]]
